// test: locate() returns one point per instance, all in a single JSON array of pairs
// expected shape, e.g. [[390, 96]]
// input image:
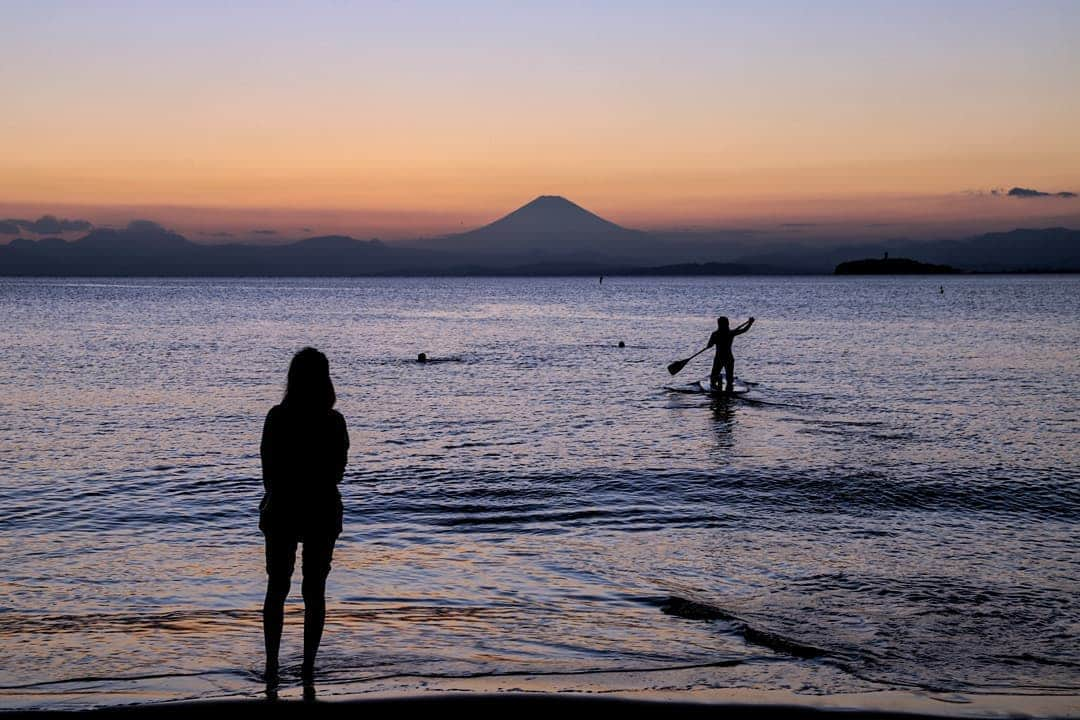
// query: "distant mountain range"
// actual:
[[548, 236]]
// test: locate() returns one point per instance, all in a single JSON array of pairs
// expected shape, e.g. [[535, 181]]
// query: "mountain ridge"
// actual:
[[547, 227], [549, 214], [548, 235]]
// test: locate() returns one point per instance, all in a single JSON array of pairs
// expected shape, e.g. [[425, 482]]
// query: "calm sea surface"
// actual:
[[894, 505]]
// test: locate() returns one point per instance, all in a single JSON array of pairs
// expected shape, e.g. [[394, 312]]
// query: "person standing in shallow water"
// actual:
[[304, 450], [724, 358]]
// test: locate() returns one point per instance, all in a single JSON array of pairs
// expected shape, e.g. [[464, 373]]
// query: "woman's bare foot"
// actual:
[[270, 676]]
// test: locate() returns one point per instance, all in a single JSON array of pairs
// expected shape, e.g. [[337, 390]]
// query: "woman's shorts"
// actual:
[[317, 553]]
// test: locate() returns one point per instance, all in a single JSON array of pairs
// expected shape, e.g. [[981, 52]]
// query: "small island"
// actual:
[[892, 266]]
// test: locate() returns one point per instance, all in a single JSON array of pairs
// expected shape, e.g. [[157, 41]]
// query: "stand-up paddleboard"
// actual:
[[702, 387], [737, 388], [743, 390]]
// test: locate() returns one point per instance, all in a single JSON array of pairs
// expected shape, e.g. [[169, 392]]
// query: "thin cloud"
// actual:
[[264, 232], [8, 227]]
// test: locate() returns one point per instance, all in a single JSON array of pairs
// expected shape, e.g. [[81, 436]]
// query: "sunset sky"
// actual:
[[401, 119]]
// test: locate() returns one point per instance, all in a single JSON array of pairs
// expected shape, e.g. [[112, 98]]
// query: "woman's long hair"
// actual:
[[309, 387]]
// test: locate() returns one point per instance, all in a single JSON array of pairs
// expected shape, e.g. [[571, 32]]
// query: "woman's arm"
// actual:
[[267, 451], [343, 459]]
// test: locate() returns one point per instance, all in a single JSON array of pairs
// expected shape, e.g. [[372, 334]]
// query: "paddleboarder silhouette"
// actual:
[[724, 358]]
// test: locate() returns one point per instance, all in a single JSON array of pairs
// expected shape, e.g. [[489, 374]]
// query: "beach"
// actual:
[[481, 704]]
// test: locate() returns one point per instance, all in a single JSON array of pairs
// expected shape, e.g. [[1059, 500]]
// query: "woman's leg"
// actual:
[[318, 552], [280, 560], [729, 369]]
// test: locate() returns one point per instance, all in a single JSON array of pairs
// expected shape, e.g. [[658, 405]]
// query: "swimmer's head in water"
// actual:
[[422, 357], [722, 323]]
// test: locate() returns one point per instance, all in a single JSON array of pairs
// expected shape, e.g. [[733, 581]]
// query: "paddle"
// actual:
[[678, 365]]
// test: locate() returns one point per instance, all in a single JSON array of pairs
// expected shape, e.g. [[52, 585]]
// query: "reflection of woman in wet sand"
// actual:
[[304, 450]]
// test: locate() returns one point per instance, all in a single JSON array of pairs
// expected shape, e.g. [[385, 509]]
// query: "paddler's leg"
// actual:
[[729, 369]]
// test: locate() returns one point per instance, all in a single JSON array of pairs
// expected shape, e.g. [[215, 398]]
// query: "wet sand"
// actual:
[[685, 692], [482, 698], [470, 705]]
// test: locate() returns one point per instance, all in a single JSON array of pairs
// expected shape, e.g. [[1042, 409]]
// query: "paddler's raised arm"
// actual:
[[743, 328]]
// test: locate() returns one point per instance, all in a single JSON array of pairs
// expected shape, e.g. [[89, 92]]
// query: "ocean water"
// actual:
[[895, 504]]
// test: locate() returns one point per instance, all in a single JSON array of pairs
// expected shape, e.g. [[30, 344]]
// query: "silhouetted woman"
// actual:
[[304, 450], [724, 358]]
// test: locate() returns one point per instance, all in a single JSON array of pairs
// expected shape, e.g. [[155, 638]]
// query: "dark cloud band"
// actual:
[[1023, 193], [44, 225]]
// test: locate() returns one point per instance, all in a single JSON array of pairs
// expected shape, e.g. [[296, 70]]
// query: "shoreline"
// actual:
[[680, 693], [730, 703]]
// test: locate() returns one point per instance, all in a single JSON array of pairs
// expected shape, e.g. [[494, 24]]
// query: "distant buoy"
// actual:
[[421, 358], [622, 344]]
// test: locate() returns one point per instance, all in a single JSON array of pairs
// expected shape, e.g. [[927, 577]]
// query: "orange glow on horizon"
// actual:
[[381, 115]]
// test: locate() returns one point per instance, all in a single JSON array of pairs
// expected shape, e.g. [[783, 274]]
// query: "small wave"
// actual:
[[693, 610], [96, 679], [1036, 660], [480, 443], [423, 494], [190, 621]]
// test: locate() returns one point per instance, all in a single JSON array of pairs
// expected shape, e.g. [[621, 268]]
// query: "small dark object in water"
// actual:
[[622, 344], [425, 360]]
